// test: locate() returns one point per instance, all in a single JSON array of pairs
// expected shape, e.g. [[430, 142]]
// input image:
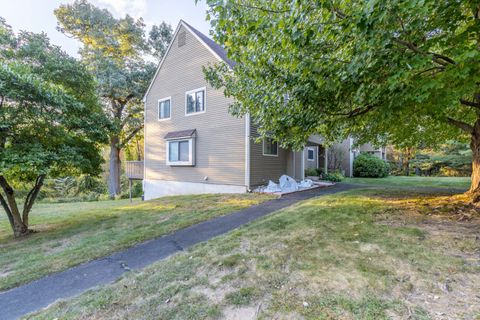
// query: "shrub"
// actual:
[[333, 177], [369, 166], [311, 172]]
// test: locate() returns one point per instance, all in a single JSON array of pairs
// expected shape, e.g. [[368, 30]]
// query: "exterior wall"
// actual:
[[264, 168], [295, 168], [220, 141], [311, 164], [345, 161], [159, 188], [378, 152]]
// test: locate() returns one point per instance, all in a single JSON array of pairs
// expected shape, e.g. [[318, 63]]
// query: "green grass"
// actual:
[[414, 181], [72, 233], [362, 254]]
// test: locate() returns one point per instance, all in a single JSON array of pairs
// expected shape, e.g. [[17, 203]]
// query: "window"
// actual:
[[164, 108], [310, 154], [270, 147], [180, 152], [195, 101]]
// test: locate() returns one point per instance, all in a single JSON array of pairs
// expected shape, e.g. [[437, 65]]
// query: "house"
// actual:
[[193, 144]]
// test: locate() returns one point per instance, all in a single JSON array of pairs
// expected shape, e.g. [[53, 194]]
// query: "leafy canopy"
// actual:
[[402, 70], [120, 56], [50, 120]]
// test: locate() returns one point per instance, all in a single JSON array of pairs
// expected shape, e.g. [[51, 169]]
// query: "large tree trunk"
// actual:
[[475, 146], [18, 222], [114, 187]]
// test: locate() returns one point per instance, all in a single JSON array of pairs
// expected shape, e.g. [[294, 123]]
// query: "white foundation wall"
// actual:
[[160, 188]]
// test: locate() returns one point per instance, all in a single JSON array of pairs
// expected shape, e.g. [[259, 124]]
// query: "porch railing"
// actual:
[[134, 170]]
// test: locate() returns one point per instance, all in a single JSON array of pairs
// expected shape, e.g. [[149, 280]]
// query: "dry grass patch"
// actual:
[[354, 255], [73, 233]]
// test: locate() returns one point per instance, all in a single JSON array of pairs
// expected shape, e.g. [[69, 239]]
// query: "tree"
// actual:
[[119, 55], [378, 69], [51, 122]]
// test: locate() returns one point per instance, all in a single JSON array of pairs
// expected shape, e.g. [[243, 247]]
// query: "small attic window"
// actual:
[[182, 39]]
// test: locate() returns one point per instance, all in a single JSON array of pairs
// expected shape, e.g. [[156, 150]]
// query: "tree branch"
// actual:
[[4, 204], [470, 103], [261, 8], [355, 112], [460, 124], [436, 57], [32, 195], [130, 136]]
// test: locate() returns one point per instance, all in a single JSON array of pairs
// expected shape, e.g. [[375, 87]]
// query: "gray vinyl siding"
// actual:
[[345, 163], [294, 165], [265, 168], [220, 142], [311, 164], [368, 147]]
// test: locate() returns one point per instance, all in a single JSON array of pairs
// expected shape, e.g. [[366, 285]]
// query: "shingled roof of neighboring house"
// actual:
[[218, 49], [180, 134]]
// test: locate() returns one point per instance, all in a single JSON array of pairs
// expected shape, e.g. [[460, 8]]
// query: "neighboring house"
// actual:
[[193, 144]]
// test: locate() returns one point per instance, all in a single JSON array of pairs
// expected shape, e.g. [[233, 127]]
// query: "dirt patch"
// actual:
[[244, 313], [443, 296]]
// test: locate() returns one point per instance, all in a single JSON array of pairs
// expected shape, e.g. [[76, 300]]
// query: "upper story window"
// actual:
[[270, 147], [310, 154], [164, 108], [195, 101]]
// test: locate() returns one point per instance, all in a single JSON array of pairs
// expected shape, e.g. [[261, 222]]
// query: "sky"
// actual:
[[37, 15]]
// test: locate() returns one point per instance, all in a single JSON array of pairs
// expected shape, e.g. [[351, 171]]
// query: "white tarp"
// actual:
[[272, 187], [307, 183], [287, 184]]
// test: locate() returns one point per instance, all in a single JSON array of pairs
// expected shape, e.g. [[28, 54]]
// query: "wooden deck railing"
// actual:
[[134, 170]]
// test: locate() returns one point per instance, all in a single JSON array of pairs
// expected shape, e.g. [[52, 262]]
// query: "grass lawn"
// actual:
[[415, 181], [371, 253], [72, 233]]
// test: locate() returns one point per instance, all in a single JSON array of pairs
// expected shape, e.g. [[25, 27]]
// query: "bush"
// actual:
[[333, 177], [311, 172], [369, 166]]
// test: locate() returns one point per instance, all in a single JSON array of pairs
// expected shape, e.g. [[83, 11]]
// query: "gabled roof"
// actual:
[[217, 50]]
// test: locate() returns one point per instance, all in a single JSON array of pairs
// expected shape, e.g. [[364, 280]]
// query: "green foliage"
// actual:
[[51, 122], [380, 70], [311, 172], [334, 176], [369, 166], [242, 297], [451, 159], [122, 59]]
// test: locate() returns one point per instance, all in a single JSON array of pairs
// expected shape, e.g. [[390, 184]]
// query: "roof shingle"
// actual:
[[180, 134]]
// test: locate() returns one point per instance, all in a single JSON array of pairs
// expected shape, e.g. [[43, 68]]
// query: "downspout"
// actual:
[[144, 144], [351, 157], [325, 164], [247, 151], [293, 155], [302, 174]]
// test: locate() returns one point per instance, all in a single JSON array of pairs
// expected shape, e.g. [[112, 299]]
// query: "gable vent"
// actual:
[[182, 39]]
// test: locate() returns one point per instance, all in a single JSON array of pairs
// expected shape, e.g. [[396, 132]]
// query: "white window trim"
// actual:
[[263, 150], [204, 101], [158, 108], [311, 149], [191, 153]]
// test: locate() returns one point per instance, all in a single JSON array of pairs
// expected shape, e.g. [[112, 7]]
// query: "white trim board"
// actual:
[[247, 150]]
